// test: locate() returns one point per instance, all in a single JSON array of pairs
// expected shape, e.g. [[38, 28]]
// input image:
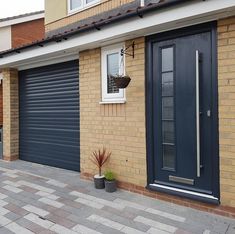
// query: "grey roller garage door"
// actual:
[[49, 115]]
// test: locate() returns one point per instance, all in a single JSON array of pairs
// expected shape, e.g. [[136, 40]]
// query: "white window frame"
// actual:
[[83, 6], [119, 97]]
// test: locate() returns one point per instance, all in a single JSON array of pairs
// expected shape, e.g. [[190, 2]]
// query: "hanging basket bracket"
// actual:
[[130, 47]]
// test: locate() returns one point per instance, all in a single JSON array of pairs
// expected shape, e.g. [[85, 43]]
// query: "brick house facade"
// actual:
[[17, 31], [129, 151], [27, 32], [23, 29], [121, 126]]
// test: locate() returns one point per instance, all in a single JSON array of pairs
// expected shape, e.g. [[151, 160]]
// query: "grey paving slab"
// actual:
[[12, 216], [83, 211], [120, 218], [85, 222], [60, 220], [31, 226], [13, 200], [107, 230], [4, 230], [16, 209], [127, 213], [46, 200]]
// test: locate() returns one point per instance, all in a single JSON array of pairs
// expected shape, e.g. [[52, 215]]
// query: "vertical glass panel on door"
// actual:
[[168, 116], [167, 59], [168, 133], [167, 108], [167, 84], [169, 159], [112, 70]]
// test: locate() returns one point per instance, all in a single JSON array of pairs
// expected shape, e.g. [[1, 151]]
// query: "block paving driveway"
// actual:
[[41, 199]]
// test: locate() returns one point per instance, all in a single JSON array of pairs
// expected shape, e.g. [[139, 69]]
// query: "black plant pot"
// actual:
[[110, 186], [99, 182]]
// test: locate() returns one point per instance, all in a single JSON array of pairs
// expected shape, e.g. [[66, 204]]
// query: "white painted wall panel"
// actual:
[[5, 38]]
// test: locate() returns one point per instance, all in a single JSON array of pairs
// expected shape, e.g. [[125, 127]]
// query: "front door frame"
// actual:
[[208, 27]]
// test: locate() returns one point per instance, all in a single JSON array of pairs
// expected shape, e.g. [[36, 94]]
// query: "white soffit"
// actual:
[[190, 13]]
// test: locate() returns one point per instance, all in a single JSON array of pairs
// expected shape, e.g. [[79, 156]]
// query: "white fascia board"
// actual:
[[52, 59], [22, 19], [190, 13]]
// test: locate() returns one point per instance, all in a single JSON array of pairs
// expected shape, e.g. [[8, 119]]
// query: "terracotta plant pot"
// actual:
[[110, 186], [99, 181]]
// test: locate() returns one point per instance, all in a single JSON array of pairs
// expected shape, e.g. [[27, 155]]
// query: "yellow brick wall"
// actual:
[[51, 14], [119, 127], [10, 115], [104, 5], [226, 81]]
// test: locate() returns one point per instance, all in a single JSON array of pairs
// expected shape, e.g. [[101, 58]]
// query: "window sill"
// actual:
[[112, 102]]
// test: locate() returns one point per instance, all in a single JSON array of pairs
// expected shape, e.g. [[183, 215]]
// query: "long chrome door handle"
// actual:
[[198, 113]]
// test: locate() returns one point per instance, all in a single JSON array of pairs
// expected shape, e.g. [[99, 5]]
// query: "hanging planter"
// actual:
[[121, 81]]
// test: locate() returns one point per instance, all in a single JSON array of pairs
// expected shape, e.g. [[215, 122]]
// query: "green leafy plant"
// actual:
[[99, 158], [109, 175]]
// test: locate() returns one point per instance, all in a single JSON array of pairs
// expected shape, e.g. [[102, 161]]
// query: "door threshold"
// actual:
[[184, 193]]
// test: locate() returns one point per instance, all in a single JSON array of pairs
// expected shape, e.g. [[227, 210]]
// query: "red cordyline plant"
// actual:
[[99, 158]]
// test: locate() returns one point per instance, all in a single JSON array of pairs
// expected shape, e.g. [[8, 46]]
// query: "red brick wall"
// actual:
[[27, 32]]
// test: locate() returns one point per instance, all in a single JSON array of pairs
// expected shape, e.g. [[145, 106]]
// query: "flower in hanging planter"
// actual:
[[121, 81]]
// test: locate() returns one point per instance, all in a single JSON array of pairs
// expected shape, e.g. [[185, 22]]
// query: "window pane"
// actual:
[[167, 77], [112, 69], [75, 4], [167, 59], [167, 113], [167, 84], [167, 108], [89, 1], [168, 134], [167, 89], [169, 156]]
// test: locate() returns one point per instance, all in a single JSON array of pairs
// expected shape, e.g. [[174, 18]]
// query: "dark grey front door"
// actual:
[[182, 113]]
